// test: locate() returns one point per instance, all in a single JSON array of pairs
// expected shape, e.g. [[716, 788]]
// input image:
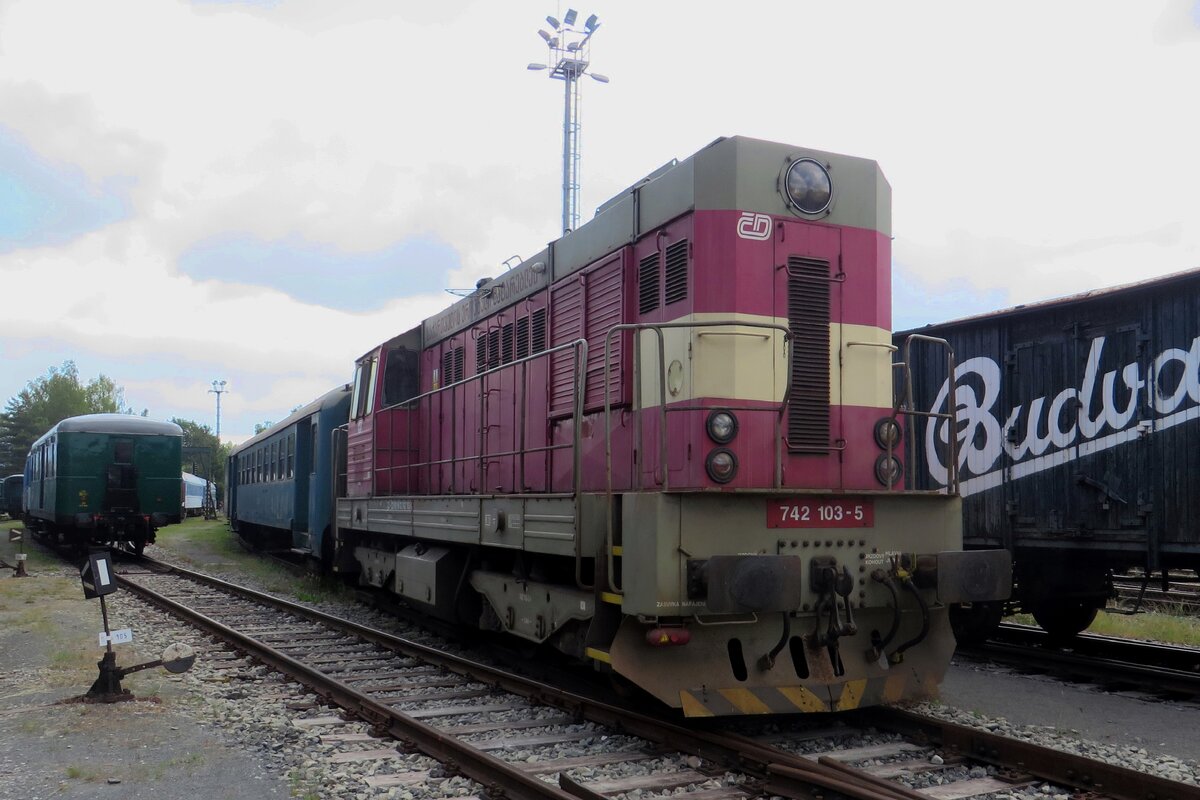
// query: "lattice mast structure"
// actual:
[[568, 60]]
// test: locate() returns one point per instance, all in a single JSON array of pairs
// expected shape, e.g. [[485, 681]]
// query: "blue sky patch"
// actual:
[[325, 275], [916, 302], [45, 203]]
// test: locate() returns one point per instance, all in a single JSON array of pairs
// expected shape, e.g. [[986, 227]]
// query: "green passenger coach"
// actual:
[[104, 479]]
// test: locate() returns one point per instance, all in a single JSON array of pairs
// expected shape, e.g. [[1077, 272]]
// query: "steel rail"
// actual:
[[488, 770], [787, 774], [1056, 766], [780, 772]]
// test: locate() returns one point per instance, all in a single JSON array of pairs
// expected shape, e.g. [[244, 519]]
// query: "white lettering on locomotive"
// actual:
[[983, 438], [754, 226]]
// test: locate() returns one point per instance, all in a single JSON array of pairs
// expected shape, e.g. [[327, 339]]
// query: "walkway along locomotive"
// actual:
[[1079, 435], [667, 444], [104, 479]]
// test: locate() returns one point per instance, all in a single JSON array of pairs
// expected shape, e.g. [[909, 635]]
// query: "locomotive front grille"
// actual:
[[808, 319]]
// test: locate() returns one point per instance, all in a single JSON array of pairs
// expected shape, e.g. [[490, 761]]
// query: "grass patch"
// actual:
[[82, 773], [210, 546], [1156, 626]]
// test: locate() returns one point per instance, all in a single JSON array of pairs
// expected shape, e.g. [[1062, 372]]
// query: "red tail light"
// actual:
[[667, 637]]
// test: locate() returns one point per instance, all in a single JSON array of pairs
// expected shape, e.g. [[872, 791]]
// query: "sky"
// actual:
[[261, 191]]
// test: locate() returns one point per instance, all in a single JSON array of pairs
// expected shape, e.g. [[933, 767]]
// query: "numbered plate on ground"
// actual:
[[820, 512]]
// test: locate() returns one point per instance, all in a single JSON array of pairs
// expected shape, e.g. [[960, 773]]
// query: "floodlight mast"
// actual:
[[218, 388], [569, 59]]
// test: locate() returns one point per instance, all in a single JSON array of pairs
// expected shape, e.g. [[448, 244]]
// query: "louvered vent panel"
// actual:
[[523, 337], [566, 304], [648, 283], [676, 280], [493, 348], [460, 355], [539, 331], [447, 367], [506, 344], [808, 318], [604, 310], [480, 351]]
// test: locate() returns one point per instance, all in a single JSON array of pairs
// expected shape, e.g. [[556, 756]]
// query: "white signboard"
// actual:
[[123, 636]]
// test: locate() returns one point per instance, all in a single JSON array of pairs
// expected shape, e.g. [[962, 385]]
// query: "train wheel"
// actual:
[[974, 623], [1062, 619]]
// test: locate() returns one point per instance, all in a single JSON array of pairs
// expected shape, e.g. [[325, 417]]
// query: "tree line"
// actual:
[[60, 393]]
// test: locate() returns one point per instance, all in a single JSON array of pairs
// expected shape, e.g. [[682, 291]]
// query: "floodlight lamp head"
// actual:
[[553, 22], [592, 23], [573, 46], [544, 35], [536, 66], [570, 16], [596, 76]]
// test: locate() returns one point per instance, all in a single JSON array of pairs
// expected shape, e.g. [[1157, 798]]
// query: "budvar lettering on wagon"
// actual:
[[1074, 422]]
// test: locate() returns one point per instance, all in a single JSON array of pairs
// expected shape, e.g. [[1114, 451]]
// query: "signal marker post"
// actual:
[[99, 580], [17, 535]]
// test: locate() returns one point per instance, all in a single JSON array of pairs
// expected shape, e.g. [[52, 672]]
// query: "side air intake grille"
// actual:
[[676, 272], [808, 318], [539, 330], [648, 283]]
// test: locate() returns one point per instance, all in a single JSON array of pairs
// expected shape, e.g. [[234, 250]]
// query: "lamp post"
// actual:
[[217, 388], [568, 60]]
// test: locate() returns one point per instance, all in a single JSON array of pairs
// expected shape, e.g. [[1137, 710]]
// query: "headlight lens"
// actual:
[[722, 426], [887, 433], [721, 465], [808, 186], [888, 470]]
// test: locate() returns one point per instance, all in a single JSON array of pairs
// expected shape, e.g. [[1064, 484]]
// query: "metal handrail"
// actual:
[[480, 457], [904, 405], [657, 328]]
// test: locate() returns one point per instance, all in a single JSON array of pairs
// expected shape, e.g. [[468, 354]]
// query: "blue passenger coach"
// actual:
[[280, 482]]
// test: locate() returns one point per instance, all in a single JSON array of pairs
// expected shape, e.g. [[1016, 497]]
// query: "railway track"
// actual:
[[1182, 595], [416, 698], [1151, 667]]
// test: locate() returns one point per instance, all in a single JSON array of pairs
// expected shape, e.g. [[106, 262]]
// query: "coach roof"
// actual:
[[325, 401]]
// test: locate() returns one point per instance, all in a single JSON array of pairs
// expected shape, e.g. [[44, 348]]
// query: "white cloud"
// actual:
[[1033, 148]]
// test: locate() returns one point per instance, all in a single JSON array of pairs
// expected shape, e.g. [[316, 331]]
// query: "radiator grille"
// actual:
[[539, 330], [648, 283], [676, 273], [523, 337], [808, 319], [506, 344]]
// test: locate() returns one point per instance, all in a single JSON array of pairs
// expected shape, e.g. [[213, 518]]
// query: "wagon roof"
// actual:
[[1028, 308], [327, 400], [117, 423]]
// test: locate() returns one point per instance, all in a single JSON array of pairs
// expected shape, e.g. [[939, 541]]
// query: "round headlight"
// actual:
[[721, 465], [887, 433], [888, 470], [807, 186], [722, 426]]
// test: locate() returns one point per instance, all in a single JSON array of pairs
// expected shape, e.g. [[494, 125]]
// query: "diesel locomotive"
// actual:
[[668, 445], [104, 479], [1079, 442]]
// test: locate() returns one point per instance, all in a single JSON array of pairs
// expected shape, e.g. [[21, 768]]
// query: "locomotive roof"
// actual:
[[325, 401], [114, 423], [1065, 300], [733, 173]]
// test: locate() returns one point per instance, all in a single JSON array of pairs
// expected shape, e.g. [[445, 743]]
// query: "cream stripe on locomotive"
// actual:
[[750, 363]]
